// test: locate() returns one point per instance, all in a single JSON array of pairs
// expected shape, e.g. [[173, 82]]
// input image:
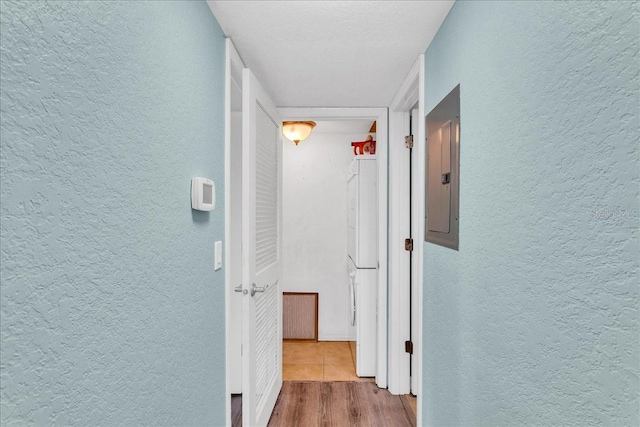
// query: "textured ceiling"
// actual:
[[330, 53]]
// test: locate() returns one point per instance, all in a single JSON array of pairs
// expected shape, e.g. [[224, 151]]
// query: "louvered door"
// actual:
[[262, 306]]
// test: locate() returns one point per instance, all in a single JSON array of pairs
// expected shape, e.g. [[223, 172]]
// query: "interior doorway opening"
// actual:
[[355, 124], [321, 218], [338, 161], [331, 121], [384, 317]]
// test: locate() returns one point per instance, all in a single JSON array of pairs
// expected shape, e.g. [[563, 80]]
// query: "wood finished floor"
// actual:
[[236, 410], [339, 404]]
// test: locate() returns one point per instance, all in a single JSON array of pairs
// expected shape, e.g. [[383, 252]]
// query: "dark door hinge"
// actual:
[[408, 347], [408, 245], [408, 141]]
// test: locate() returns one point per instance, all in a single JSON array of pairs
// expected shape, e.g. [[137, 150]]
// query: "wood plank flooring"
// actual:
[[338, 404], [236, 410]]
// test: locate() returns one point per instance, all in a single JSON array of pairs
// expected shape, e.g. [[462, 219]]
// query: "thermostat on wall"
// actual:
[[203, 194]]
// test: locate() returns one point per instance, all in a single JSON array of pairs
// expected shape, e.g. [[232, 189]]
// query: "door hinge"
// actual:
[[408, 347], [408, 245], [408, 141]]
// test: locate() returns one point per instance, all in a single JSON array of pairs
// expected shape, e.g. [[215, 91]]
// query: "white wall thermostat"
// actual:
[[203, 194]]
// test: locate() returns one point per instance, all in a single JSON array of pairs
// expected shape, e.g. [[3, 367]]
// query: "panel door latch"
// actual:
[[408, 347], [408, 141], [408, 245], [445, 178]]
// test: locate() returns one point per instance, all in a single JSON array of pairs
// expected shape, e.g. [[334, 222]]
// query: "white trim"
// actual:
[[336, 338], [380, 115], [399, 302], [399, 360], [231, 55], [415, 279], [410, 92], [418, 226], [407, 95]]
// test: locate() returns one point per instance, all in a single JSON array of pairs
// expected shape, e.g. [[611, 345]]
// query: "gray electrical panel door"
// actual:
[[443, 172], [439, 210]]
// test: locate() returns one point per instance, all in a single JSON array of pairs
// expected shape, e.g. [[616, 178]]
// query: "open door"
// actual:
[[261, 253]]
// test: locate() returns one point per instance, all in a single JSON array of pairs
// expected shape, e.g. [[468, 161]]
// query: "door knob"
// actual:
[[255, 288]]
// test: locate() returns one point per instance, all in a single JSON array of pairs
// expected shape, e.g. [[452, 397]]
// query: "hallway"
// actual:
[[118, 295]]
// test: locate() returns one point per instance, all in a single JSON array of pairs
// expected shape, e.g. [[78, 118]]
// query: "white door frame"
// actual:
[[418, 216], [231, 58], [380, 116], [410, 92], [400, 106]]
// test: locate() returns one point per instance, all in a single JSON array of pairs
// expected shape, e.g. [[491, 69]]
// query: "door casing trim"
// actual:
[[410, 93], [231, 56]]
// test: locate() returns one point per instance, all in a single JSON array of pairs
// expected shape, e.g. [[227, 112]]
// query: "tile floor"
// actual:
[[318, 361]]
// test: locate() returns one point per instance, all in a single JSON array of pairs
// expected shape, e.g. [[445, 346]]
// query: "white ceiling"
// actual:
[[343, 126], [330, 53]]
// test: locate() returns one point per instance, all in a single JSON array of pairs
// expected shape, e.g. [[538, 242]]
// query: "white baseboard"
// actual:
[[336, 338]]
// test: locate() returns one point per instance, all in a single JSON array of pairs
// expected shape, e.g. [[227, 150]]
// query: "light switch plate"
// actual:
[[218, 255]]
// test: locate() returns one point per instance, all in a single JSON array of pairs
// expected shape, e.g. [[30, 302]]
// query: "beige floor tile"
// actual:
[[340, 373], [302, 353], [296, 345], [325, 360], [302, 372], [338, 356], [334, 345], [337, 353]]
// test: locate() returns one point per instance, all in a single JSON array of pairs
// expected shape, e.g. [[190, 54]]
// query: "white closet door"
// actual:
[[261, 249]]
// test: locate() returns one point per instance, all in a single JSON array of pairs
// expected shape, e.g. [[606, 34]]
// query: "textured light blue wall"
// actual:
[[111, 311], [535, 320]]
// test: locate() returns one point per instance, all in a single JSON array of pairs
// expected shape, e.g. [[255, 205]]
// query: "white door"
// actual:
[[414, 280], [261, 253]]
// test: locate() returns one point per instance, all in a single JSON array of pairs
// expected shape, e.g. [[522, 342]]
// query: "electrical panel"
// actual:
[[443, 172]]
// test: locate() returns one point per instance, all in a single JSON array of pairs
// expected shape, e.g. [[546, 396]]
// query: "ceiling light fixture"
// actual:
[[297, 131]]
